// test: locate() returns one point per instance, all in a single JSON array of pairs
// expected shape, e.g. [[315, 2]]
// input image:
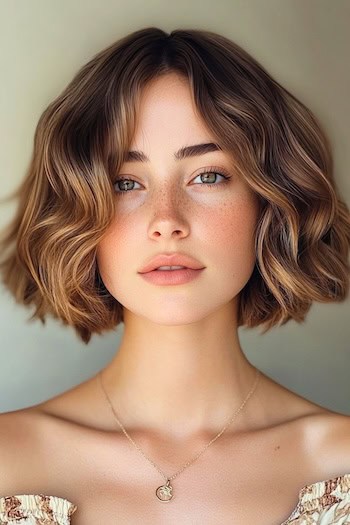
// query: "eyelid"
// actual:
[[211, 169], [221, 169]]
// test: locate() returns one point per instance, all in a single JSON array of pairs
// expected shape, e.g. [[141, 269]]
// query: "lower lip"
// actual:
[[171, 276]]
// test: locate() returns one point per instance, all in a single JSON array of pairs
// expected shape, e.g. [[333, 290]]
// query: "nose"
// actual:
[[167, 229], [168, 217]]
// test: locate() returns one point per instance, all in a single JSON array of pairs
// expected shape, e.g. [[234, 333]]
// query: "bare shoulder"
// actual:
[[34, 443], [324, 434], [20, 432], [326, 445], [17, 429], [29, 439], [331, 434]]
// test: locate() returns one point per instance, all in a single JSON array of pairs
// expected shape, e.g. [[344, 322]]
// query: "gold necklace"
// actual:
[[165, 492]]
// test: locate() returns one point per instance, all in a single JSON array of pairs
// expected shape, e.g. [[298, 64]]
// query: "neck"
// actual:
[[179, 380]]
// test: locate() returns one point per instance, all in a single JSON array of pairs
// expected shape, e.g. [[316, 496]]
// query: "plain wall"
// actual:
[[304, 45]]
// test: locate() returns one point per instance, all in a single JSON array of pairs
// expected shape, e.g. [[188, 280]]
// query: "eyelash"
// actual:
[[220, 172]]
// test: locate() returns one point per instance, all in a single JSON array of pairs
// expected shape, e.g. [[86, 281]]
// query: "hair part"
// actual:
[[66, 200]]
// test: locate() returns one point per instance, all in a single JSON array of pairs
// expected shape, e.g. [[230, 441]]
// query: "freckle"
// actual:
[[278, 447]]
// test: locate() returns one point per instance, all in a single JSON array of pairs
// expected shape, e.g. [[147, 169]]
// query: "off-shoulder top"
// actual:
[[325, 502]]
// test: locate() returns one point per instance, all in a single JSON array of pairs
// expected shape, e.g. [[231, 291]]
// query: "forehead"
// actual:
[[167, 113]]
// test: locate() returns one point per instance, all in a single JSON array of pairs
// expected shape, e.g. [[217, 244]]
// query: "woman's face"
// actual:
[[168, 207]]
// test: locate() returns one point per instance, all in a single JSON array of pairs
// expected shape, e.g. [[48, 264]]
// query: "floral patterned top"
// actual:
[[322, 503], [35, 509]]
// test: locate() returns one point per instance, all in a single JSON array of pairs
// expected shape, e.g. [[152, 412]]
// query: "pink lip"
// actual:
[[174, 259], [171, 277]]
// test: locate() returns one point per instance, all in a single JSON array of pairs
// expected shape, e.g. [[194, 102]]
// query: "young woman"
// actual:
[[175, 187]]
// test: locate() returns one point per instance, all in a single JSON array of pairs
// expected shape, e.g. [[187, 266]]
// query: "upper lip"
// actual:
[[173, 259]]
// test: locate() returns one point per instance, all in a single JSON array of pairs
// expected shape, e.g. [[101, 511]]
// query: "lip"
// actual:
[[171, 277], [174, 259]]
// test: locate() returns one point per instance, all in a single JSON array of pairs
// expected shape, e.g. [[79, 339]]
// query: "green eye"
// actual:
[[119, 184], [127, 188], [215, 173]]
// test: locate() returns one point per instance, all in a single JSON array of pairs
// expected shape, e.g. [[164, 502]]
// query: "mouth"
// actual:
[[172, 276], [171, 262], [170, 268]]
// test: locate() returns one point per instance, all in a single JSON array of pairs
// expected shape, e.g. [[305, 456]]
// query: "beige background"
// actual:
[[304, 44]]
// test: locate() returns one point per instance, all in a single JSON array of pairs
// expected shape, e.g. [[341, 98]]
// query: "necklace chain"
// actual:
[[168, 478]]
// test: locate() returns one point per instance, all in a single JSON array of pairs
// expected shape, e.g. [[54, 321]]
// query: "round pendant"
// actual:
[[164, 492]]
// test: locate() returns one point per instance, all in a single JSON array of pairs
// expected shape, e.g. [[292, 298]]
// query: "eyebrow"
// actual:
[[182, 153]]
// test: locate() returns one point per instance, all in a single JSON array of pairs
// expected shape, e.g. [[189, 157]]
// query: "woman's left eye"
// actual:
[[210, 175]]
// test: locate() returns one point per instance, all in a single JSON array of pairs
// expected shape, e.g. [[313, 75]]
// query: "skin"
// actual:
[[180, 371], [180, 341]]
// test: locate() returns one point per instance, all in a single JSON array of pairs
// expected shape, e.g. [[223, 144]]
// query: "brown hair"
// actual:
[[66, 200]]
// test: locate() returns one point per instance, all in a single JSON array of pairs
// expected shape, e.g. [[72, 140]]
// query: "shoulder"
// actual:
[[23, 470], [20, 432], [326, 438], [29, 443], [18, 428], [326, 486], [334, 436], [321, 435], [33, 438], [26, 432]]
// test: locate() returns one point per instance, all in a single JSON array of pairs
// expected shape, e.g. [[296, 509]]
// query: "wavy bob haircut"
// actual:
[[66, 201]]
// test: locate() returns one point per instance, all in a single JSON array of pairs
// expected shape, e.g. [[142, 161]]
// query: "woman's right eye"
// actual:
[[124, 185]]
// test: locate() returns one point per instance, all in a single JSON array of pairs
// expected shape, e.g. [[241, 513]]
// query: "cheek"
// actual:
[[112, 250], [231, 228], [233, 240]]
